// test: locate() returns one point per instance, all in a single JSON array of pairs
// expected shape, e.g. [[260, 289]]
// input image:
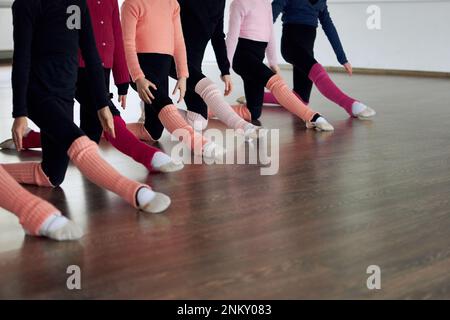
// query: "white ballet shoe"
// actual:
[[158, 204], [8, 144], [172, 166], [70, 231], [321, 124], [59, 228], [362, 112]]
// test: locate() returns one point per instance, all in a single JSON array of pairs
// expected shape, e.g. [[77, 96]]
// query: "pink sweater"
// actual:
[[108, 35], [253, 20], [153, 26]]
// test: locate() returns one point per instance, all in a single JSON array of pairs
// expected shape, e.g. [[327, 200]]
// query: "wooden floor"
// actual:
[[371, 193]]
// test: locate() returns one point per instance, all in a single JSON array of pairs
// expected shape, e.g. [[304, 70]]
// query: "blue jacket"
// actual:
[[304, 12]]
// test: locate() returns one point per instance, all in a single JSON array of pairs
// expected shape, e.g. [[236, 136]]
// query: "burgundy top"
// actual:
[[105, 18]]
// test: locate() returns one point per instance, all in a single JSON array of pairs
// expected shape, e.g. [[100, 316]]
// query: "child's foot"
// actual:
[[152, 202], [213, 150], [361, 111], [164, 163], [8, 144], [58, 227], [319, 124]]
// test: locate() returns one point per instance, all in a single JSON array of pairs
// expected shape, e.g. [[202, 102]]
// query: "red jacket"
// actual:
[[105, 18]]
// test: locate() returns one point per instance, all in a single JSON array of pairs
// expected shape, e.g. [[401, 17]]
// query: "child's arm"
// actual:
[[237, 13], [130, 16], [23, 12], [120, 68], [180, 54], [332, 35], [219, 46], [277, 8], [92, 59]]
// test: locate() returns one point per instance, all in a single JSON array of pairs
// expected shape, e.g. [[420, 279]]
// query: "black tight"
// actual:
[[248, 63], [297, 48], [54, 116], [89, 121], [156, 68], [193, 101]]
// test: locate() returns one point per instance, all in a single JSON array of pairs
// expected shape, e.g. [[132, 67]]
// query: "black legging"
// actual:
[[297, 48], [156, 68], [89, 121], [193, 101], [248, 62], [54, 117]]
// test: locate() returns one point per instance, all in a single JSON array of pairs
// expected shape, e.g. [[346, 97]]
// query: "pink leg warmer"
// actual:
[[288, 99], [31, 210], [328, 88], [84, 154], [28, 173], [128, 144]]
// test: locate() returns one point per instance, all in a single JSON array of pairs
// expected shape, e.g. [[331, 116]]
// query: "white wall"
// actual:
[[6, 42], [414, 35]]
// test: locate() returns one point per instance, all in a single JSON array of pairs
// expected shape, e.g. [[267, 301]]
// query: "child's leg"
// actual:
[[157, 68], [197, 108], [216, 102], [329, 89], [302, 85], [152, 158], [302, 88], [54, 117], [37, 216], [254, 93]]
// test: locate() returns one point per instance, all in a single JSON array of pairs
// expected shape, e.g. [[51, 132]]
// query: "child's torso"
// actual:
[[257, 22]]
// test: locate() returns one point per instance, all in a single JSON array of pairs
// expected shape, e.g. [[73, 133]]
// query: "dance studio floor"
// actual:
[[371, 193]]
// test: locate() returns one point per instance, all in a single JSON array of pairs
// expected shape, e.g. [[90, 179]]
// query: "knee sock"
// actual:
[[84, 154], [270, 98], [288, 99], [28, 173], [128, 144], [172, 120], [328, 88], [31, 210], [212, 96], [139, 131]]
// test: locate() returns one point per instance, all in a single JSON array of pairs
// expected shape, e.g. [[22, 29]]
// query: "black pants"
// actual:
[[89, 121], [193, 101], [54, 116], [297, 48], [248, 62], [156, 68]]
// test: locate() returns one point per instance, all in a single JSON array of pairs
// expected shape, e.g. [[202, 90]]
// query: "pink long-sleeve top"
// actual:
[[105, 19], [252, 20], [153, 26]]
